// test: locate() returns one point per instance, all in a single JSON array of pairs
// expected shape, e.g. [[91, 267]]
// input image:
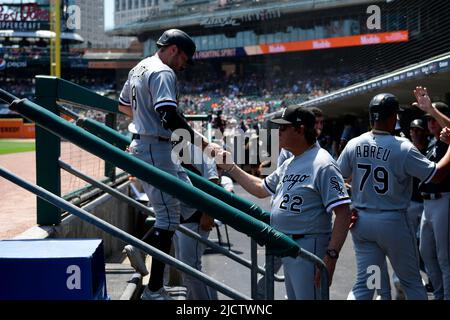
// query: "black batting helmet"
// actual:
[[180, 38], [418, 123], [383, 105]]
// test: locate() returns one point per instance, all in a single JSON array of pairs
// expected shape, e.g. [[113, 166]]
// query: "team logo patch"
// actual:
[[335, 185]]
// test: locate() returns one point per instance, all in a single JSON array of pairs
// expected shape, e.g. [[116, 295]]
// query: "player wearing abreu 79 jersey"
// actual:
[[381, 167]]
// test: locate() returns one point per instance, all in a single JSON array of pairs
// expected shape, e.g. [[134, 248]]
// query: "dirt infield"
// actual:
[[18, 206]]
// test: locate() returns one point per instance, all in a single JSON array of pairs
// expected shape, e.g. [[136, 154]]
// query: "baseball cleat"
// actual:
[[161, 294], [137, 259]]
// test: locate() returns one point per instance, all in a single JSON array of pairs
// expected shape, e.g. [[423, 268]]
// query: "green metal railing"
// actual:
[[49, 92], [120, 234], [115, 138]]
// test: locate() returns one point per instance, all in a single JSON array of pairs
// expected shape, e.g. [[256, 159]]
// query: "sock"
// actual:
[[162, 240]]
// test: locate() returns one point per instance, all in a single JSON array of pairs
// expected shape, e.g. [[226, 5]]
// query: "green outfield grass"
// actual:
[[14, 146]]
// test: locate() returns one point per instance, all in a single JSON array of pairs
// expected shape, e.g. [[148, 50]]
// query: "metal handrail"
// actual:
[[149, 212], [122, 235], [115, 138], [7, 97]]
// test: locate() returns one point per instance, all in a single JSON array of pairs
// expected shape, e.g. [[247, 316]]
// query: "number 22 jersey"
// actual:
[[306, 188]]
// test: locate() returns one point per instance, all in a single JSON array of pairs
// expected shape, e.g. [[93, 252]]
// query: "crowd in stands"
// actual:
[[30, 53], [24, 87], [254, 95], [244, 98], [99, 84], [270, 84], [20, 87]]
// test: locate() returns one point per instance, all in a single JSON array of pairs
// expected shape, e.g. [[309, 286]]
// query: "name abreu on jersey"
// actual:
[[370, 151]]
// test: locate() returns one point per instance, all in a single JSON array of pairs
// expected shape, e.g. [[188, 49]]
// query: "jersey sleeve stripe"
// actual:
[[336, 203], [267, 187], [165, 103], [124, 102], [428, 179]]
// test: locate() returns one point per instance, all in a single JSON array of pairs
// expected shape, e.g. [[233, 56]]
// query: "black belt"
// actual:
[[431, 196], [137, 136], [195, 218], [297, 236]]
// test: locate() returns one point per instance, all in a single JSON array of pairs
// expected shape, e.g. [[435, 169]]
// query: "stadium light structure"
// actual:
[[55, 42]]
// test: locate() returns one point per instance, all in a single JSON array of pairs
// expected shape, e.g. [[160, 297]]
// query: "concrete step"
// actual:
[[122, 281]]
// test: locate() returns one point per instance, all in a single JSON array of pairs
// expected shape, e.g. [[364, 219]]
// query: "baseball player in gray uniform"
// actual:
[[282, 157], [307, 188], [434, 227], [149, 96], [381, 167], [189, 250]]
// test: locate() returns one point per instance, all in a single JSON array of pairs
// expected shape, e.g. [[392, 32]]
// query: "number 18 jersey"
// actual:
[[381, 167]]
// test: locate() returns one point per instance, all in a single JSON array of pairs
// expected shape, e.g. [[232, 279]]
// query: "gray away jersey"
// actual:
[[151, 84], [306, 188], [285, 154], [381, 167]]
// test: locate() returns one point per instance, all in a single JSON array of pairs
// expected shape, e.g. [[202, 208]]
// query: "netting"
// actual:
[[427, 24], [80, 159]]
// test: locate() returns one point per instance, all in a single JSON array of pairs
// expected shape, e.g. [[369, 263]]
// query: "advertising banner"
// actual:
[[307, 45]]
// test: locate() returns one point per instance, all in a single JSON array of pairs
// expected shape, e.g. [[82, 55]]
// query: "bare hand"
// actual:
[[445, 135], [331, 265], [423, 99], [224, 160], [206, 222], [212, 149]]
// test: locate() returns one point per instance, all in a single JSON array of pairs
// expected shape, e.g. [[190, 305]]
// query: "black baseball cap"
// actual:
[[442, 107], [296, 115], [417, 123], [179, 38]]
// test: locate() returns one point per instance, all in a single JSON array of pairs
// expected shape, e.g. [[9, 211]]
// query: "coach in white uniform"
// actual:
[[307, 188], [381, 167]]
